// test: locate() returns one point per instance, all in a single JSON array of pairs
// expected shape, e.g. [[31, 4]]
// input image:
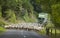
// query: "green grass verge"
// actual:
[[55, 35], [53, 31], [43, 32], [2, 29]]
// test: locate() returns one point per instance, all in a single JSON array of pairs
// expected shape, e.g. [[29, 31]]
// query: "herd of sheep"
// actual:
[[31, 26]]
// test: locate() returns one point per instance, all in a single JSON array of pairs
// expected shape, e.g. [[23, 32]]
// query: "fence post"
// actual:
[[51, 31], [47, 31], [55, 32]]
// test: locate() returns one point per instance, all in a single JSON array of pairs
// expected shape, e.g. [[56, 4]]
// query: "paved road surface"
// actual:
[[21, 34]]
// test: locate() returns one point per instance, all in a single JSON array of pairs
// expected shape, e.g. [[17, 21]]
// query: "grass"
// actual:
[[2, 29], [43, 32], [57, 34], [53, 31]]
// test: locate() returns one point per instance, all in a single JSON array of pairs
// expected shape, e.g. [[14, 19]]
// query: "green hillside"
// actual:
[[16, 11]]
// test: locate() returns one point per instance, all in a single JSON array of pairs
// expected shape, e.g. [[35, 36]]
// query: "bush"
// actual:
[[56, 14], [10, 16], [2, 22]]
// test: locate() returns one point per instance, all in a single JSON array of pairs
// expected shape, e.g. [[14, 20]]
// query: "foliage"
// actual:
[[52, 7], [56, 14], [1, 30], [14, 10], [2, 22], [28, 10]]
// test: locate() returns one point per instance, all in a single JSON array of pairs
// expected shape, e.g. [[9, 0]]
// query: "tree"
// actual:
[[56, 14], [52, 7]]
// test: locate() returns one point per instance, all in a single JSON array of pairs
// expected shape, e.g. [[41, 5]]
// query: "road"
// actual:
[[21, 34]]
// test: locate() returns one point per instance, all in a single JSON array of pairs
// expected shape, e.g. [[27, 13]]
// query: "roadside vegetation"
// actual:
[[2, 30], [51, 35], [13, 11]]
